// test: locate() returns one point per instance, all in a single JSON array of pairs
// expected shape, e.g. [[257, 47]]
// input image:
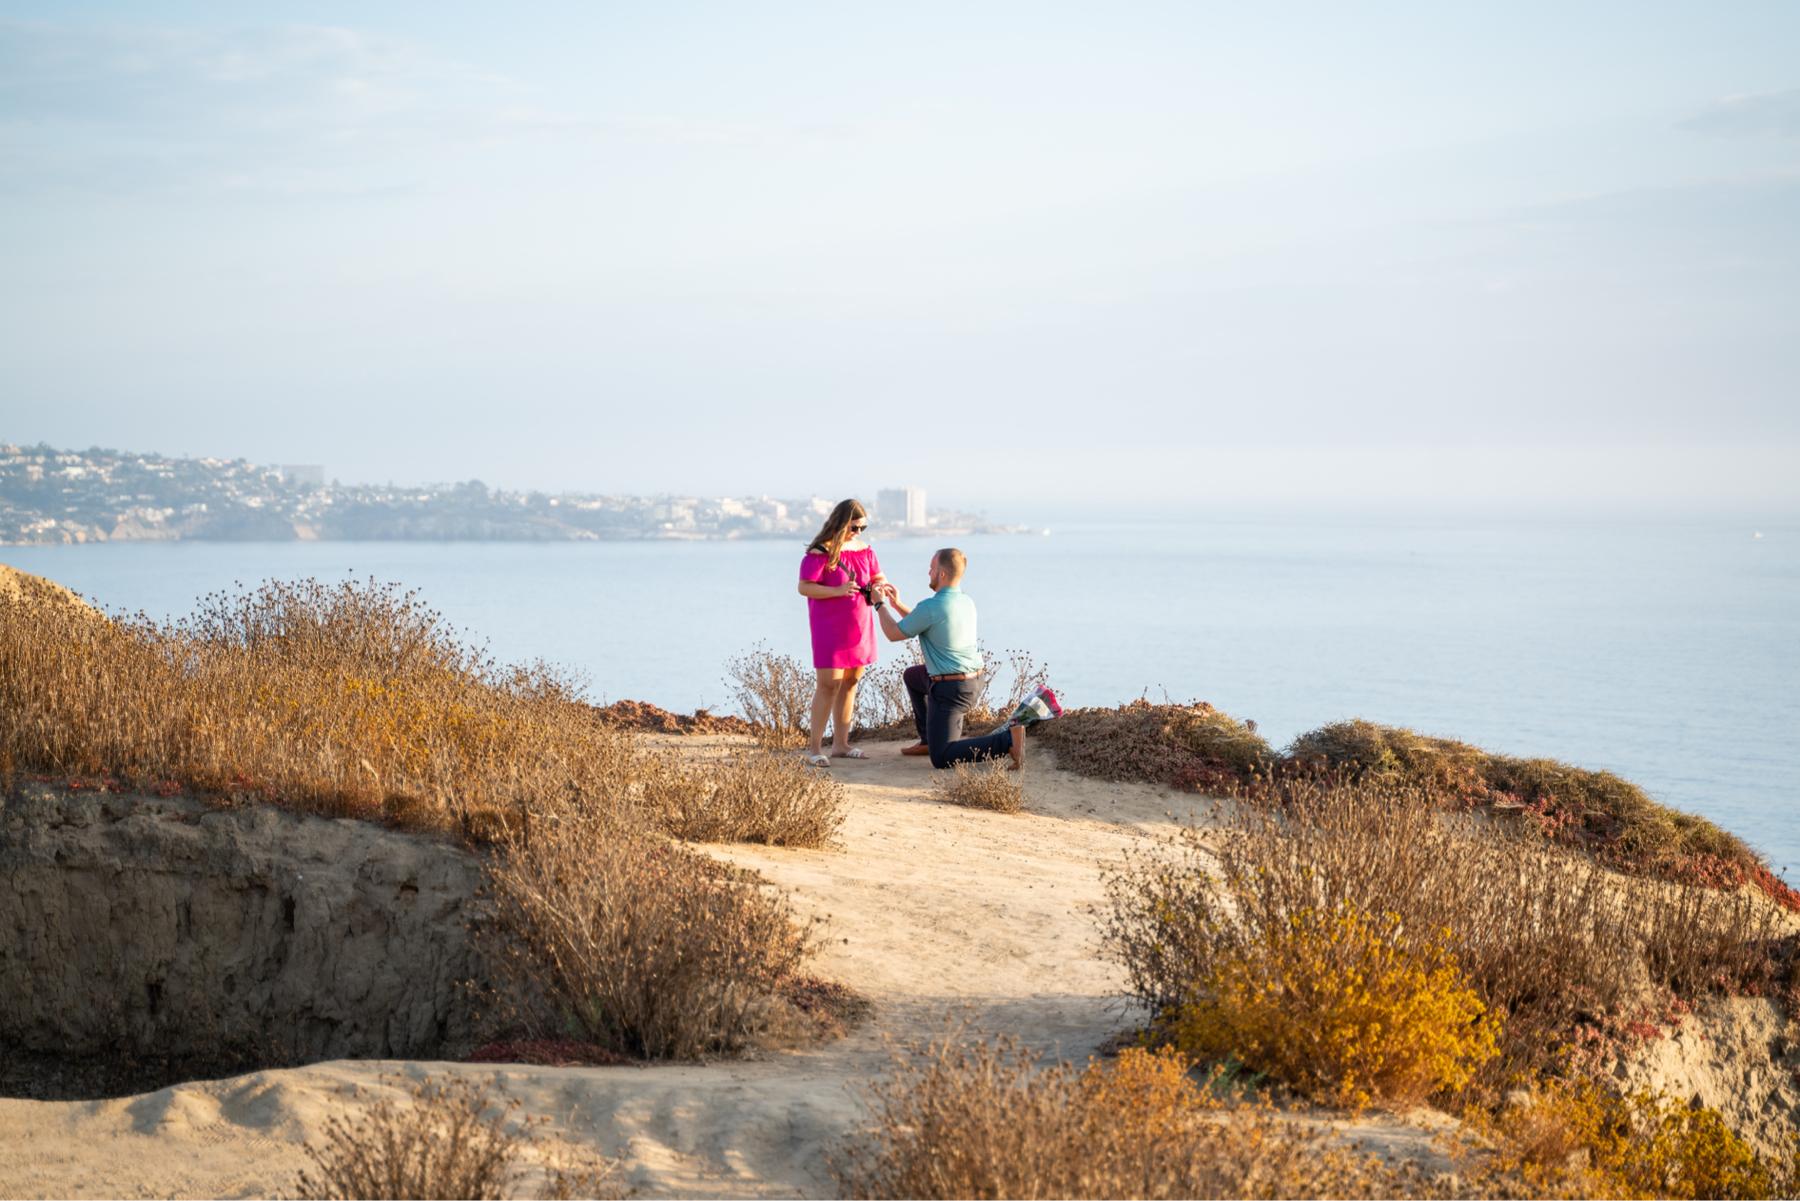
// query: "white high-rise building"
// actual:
[[902, 507]]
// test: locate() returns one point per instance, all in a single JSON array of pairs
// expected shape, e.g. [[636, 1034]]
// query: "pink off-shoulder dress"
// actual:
[[843, 628]]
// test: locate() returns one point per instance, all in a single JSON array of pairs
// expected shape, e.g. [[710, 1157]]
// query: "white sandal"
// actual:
[[855, 752], [816, 760]]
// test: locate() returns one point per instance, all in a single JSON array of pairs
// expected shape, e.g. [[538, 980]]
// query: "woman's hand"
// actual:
[[849, 588]]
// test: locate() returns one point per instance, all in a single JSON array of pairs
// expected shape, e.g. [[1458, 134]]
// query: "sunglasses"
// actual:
[[859, 527]]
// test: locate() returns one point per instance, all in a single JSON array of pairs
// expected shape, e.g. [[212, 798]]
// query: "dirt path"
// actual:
[[933, 911]]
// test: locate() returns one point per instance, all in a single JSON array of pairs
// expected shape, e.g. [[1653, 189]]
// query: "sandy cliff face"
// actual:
[[174, 928]]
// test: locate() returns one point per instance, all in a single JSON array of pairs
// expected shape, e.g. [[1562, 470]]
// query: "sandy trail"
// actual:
[[933, 911]]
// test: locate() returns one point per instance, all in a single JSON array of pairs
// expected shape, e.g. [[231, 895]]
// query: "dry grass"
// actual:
[[957, 1119], [355, 700], [774, 693], [981, 786], [1551, 944], [352, 700], [758, 797], [883, 706], [636, 944], [1193, 747], [1597, 812], [884, 709], [450, 1138]]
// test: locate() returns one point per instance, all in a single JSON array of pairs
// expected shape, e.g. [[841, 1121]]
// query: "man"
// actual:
[[944, 688]]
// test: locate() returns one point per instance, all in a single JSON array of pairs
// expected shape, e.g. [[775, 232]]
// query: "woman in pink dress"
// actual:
[[836, 578]]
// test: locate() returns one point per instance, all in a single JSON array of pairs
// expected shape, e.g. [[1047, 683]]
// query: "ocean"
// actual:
[[1667, 653]]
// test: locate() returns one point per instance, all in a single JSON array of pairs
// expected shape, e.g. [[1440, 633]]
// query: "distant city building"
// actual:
[[902, 507], [311, 475]]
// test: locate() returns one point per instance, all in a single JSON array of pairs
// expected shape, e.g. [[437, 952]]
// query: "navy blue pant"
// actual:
[[938, 711]]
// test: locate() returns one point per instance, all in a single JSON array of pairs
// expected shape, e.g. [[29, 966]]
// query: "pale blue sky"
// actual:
[[1183, 256]]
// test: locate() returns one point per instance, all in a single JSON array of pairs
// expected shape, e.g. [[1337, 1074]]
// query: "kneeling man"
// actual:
[[944, 688]]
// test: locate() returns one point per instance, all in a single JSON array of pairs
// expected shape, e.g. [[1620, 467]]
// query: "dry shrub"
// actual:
[[1594, 811], [759, 797], [774, 693], [1192, 747], [351, 699], [1554, 947], [450, 1138], [962, 1119], [1582, 1138], [638, 944], [982, 786], [1343, 1006], [883, 706], [1021, 674]]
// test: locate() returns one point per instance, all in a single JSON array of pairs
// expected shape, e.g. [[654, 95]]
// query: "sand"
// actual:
[[937, 913]]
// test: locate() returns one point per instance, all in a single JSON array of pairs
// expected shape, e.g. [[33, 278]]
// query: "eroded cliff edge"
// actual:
[[170, 927]]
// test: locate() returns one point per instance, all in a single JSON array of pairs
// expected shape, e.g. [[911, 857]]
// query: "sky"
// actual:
[[1174, 258]]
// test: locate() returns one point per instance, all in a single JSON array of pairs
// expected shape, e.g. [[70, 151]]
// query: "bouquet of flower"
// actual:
[[1041, 705]]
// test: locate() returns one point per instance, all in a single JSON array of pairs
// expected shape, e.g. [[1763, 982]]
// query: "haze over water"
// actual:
[[1665, 653]]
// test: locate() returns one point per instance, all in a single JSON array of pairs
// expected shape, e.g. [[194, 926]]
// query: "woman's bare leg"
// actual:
[[842, 709], [824, 698]]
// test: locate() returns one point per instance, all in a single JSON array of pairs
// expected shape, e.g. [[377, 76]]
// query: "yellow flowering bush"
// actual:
[[1343, 1006], [1581, 1138]]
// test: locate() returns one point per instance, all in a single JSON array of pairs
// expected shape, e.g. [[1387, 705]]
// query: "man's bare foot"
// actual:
[[917, 748], [1018, 749]]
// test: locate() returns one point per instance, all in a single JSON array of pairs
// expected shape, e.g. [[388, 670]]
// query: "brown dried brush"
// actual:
[[774, 692], [450, 1138], [759, 797], [983, 1119], [351, 699], [1552, 943], [641, 945], [981, 786]]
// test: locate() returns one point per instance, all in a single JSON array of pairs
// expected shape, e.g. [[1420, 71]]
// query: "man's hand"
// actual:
[[889, 626]]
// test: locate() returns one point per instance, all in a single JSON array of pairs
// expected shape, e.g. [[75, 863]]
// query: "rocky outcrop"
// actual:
[[1737, 1055], [131, 924]]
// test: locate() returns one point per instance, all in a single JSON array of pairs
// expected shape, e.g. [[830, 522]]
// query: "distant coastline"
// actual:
[[51, 497]]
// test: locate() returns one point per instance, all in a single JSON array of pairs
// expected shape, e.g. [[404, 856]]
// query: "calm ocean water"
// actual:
[[1668, 654]]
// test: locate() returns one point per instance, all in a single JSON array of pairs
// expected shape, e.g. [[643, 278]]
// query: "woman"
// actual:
[[835, 578]]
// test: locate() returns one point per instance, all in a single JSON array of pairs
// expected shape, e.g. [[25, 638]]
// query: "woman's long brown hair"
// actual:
[[836, 530]]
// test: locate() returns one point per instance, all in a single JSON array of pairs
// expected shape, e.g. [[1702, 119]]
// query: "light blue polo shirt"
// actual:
[[944, 624]]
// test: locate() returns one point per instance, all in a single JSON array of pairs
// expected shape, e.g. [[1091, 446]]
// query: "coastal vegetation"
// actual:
[[961, 1117], [1292, 931], [970, 1118], [981, 786], [356, 700], [448, 1137], [1368, 919], [1200, 749]]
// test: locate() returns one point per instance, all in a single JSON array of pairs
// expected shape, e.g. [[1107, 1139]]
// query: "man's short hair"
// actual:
[[952, 561]]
